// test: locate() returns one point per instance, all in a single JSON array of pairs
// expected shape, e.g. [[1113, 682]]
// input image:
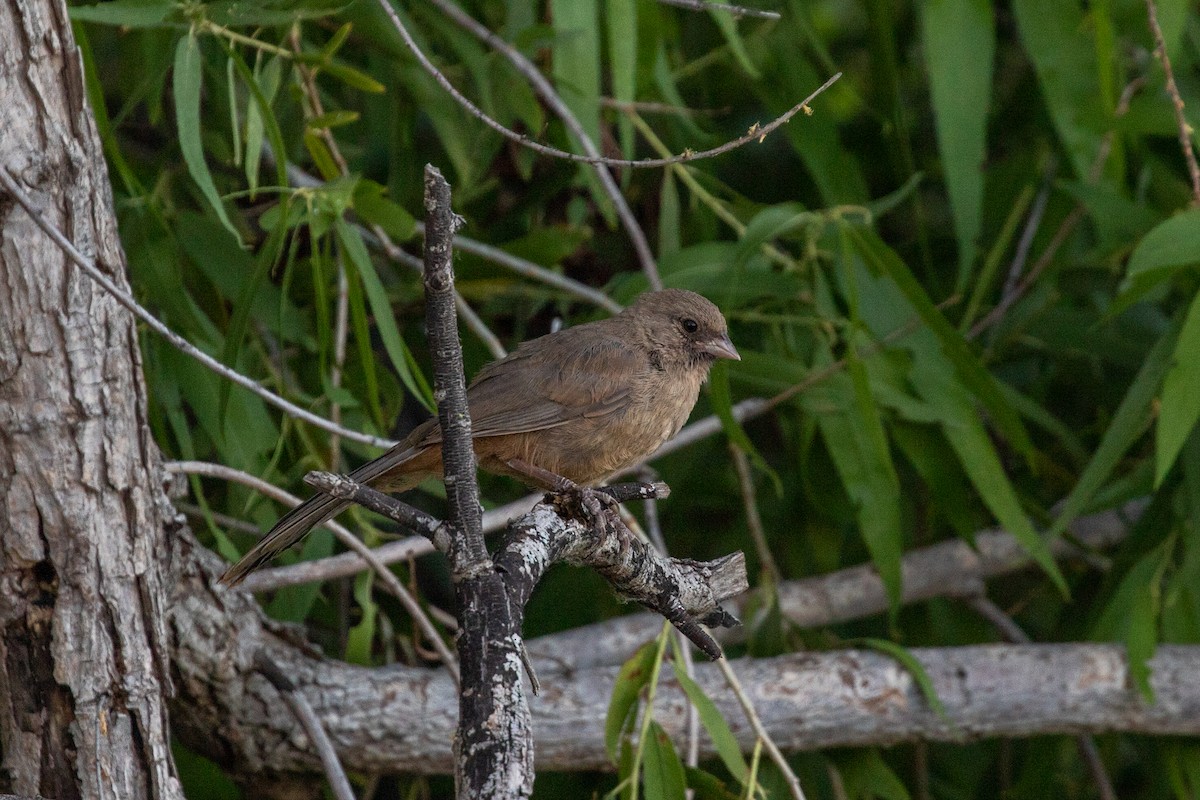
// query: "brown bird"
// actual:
[[581, 403]]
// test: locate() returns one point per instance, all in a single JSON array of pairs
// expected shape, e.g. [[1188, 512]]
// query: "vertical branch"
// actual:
[[468, 553], [493, 747]]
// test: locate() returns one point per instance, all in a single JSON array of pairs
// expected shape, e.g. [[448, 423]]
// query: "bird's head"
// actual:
[[682, 328]]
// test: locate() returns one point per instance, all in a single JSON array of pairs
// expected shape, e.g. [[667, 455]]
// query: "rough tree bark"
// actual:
[[84, 654]]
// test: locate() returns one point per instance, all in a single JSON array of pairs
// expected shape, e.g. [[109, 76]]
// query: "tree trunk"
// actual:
[[84, 654]]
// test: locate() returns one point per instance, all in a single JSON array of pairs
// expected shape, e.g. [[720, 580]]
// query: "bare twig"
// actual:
[[552, 99], [753, 520], [757, 133], [386, 577], [1185, 130], [177, 341], [760, 730], [339, 566], [307, 717], [1032, 225], [652, 107], [534, 271], [1065, 228], [736, 11]]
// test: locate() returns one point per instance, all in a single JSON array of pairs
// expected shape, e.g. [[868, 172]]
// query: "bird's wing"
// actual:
[[550, 381]]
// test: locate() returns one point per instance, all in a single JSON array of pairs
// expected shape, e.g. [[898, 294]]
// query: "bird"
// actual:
[[578, 404]]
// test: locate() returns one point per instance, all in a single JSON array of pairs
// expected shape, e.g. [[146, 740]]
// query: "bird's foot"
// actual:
[[583, 502]]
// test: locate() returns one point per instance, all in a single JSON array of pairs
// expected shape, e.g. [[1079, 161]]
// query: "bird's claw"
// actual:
[[583, 502]]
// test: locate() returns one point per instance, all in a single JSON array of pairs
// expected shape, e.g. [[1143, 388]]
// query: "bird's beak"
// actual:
[[721, 348]]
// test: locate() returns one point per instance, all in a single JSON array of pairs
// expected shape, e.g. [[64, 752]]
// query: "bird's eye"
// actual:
[[690, 325]]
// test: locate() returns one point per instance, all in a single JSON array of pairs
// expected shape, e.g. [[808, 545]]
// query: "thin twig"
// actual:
[[1065, 228], [760, 730], [177, 341], [719, 210], [982, 605], [341, 325], [652, 107], [757, 133], [311, 723], [552, 99], [736, 11], [342, 565], [386, 576], [531, 270], [1032, 225], [753, 520], [1185, 130]]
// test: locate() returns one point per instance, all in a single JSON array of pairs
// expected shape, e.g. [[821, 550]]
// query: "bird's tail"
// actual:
[[294, 525]]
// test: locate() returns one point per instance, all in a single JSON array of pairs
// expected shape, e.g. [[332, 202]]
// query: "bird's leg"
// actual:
[[589, 500]]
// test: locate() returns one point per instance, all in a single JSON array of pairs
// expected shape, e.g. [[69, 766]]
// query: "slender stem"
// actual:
[[773, 751], [338, 782], [1185, 130]]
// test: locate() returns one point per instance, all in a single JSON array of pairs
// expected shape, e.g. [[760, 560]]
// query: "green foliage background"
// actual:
[[876, 234]]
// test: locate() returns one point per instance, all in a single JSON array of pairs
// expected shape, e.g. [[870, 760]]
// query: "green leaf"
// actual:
[[263, 84], [708, 786], [914, 667], [187, 80], [1132, 417], [374, 207], [722, 402], [670, 238], [353, 78], [1055, 35], [866, 775], [332, 119], [576, 60], [397, 350], [1132, 612], [728, 27], [272, 13], [867, 475], [361, 638], [959, 42], [768, 224], [1171, 246], [718, 729], [127, 13], [633, 677], [1180, 407], [663, 776], [979, 459], [621, 16], [882, 258]]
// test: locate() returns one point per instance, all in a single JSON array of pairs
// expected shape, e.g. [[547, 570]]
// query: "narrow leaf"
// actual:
[[633, 677], [959, 42], [352, 245], [187, 81], [663, 776], [718, 729], [1180, 406]]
